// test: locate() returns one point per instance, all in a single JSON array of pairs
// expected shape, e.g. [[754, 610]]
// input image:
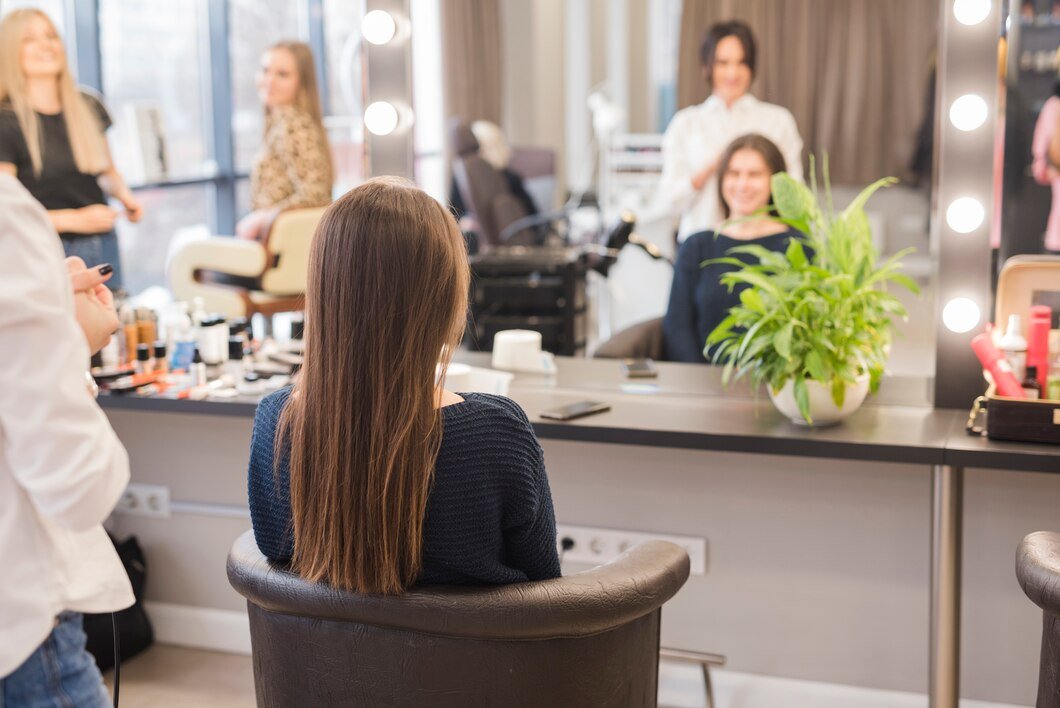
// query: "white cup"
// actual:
[[520, 350]]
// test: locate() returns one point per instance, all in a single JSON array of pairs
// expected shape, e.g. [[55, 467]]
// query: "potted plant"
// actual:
[[813, 324]]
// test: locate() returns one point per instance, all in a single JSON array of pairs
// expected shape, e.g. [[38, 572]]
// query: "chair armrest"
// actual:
[[633, 585], [1038, 569], [221, 255]]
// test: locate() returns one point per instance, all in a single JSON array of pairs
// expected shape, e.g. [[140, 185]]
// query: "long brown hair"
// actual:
[[760, 144], [386, 298], [82, 126], [307, 99]]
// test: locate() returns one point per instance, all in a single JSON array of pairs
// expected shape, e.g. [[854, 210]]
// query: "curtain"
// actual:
[[852, 72], [471, 59]]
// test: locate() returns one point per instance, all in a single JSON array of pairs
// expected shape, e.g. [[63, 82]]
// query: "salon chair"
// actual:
[[643, 340], [1038, 571], [274, 273], [483, 189], [590, 639]]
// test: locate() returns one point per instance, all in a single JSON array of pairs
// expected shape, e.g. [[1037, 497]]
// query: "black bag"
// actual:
[[134, 629]]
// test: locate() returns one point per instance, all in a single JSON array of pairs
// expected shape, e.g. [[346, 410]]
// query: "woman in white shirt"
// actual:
[[697, 135], [62, 468]]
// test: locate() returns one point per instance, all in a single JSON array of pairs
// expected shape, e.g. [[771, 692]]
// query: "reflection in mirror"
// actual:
[[1030, 189], [609, 95]]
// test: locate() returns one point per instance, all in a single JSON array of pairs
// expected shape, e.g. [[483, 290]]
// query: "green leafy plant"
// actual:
[[822, 310]]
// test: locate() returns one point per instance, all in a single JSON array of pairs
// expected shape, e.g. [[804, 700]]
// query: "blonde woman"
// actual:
[[51, 139], [293, 168]]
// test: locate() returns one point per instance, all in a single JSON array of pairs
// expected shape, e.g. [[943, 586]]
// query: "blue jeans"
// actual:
[[59, 674], [94, 250]]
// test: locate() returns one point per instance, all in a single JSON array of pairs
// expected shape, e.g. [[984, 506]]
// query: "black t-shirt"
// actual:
[[60, 184]]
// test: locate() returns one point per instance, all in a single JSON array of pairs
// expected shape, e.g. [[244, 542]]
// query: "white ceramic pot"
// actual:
[[823, 409]]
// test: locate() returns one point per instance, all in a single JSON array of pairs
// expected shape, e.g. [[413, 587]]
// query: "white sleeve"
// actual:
[[56, 440], [791, 146], [676, 193]]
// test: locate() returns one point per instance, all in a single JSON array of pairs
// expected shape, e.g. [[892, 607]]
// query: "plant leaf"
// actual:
[[802, 398], [782, 342], [839, 391]]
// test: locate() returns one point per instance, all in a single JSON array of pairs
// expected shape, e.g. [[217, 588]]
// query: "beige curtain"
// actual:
[[852, 72], [471, 59]]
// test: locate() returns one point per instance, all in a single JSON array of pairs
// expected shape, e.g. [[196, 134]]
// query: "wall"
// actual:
[[816, 569]]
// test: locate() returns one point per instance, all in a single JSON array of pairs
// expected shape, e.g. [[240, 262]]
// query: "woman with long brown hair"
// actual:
[[293, 168], [367, 474], [698, 300], [51, 139]]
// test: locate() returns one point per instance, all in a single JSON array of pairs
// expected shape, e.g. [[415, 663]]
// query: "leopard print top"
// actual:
[[292, 168]]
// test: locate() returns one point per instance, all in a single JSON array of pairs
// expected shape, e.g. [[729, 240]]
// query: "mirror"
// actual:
[[1030, 91], [596, 83]]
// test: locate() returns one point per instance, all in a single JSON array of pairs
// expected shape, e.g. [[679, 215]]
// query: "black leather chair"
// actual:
[[589, 640], [1038, 570], [483, 189], [643, 340]]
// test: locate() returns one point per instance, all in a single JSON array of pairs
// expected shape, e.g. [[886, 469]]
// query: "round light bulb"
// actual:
[[968, 112], [971, 12], [378, 27], [965, 215], [960, 315], [381, 118]]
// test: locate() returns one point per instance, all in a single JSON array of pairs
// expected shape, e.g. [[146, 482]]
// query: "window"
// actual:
[[253, 26], [432, 170], [150, 51], [52, 8], [168, 212]]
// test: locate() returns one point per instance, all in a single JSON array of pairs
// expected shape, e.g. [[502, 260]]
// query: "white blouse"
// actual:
[[698, 135], [62, 468]]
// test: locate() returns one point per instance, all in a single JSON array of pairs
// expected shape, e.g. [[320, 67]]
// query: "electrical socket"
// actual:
[[597, 546], [144, 500]]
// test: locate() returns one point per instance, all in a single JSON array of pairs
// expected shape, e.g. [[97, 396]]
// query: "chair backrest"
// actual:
[[590, 639], [216, 254], [643, 340], [288, 242], [1038, 571], [482, 187]]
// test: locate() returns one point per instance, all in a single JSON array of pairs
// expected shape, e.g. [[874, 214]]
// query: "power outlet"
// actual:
[[144, 500], [596, 546]]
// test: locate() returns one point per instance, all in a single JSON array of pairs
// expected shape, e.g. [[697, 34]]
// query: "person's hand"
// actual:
[[255, 225], [134, 210], [93, 302], [700, 179], [93, 219]]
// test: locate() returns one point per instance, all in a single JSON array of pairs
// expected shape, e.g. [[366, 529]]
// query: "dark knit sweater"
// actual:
[[489, 514]]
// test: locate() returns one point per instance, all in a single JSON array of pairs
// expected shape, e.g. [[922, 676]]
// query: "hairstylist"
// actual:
[[293, 168], [62, 468], [697, 135], [51, 138]]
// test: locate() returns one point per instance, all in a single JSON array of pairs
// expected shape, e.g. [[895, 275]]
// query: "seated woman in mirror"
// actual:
[[367, 474], [697, 135], [698, 300], [293, 168]]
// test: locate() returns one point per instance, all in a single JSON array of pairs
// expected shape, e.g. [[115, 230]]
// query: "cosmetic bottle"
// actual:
[[1005, 382], [1031, 388], [198, 311], [236, 366], [111, 353], [143, 359], [198, 370], [132, 334], [1038, 341], [161, 360], [1014, 347], [146, 325]]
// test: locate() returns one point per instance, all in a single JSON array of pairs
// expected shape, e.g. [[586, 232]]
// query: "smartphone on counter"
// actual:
[[639, 368], [576, 410]]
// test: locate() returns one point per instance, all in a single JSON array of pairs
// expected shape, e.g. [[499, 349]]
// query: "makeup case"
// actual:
[[1024, 281]]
